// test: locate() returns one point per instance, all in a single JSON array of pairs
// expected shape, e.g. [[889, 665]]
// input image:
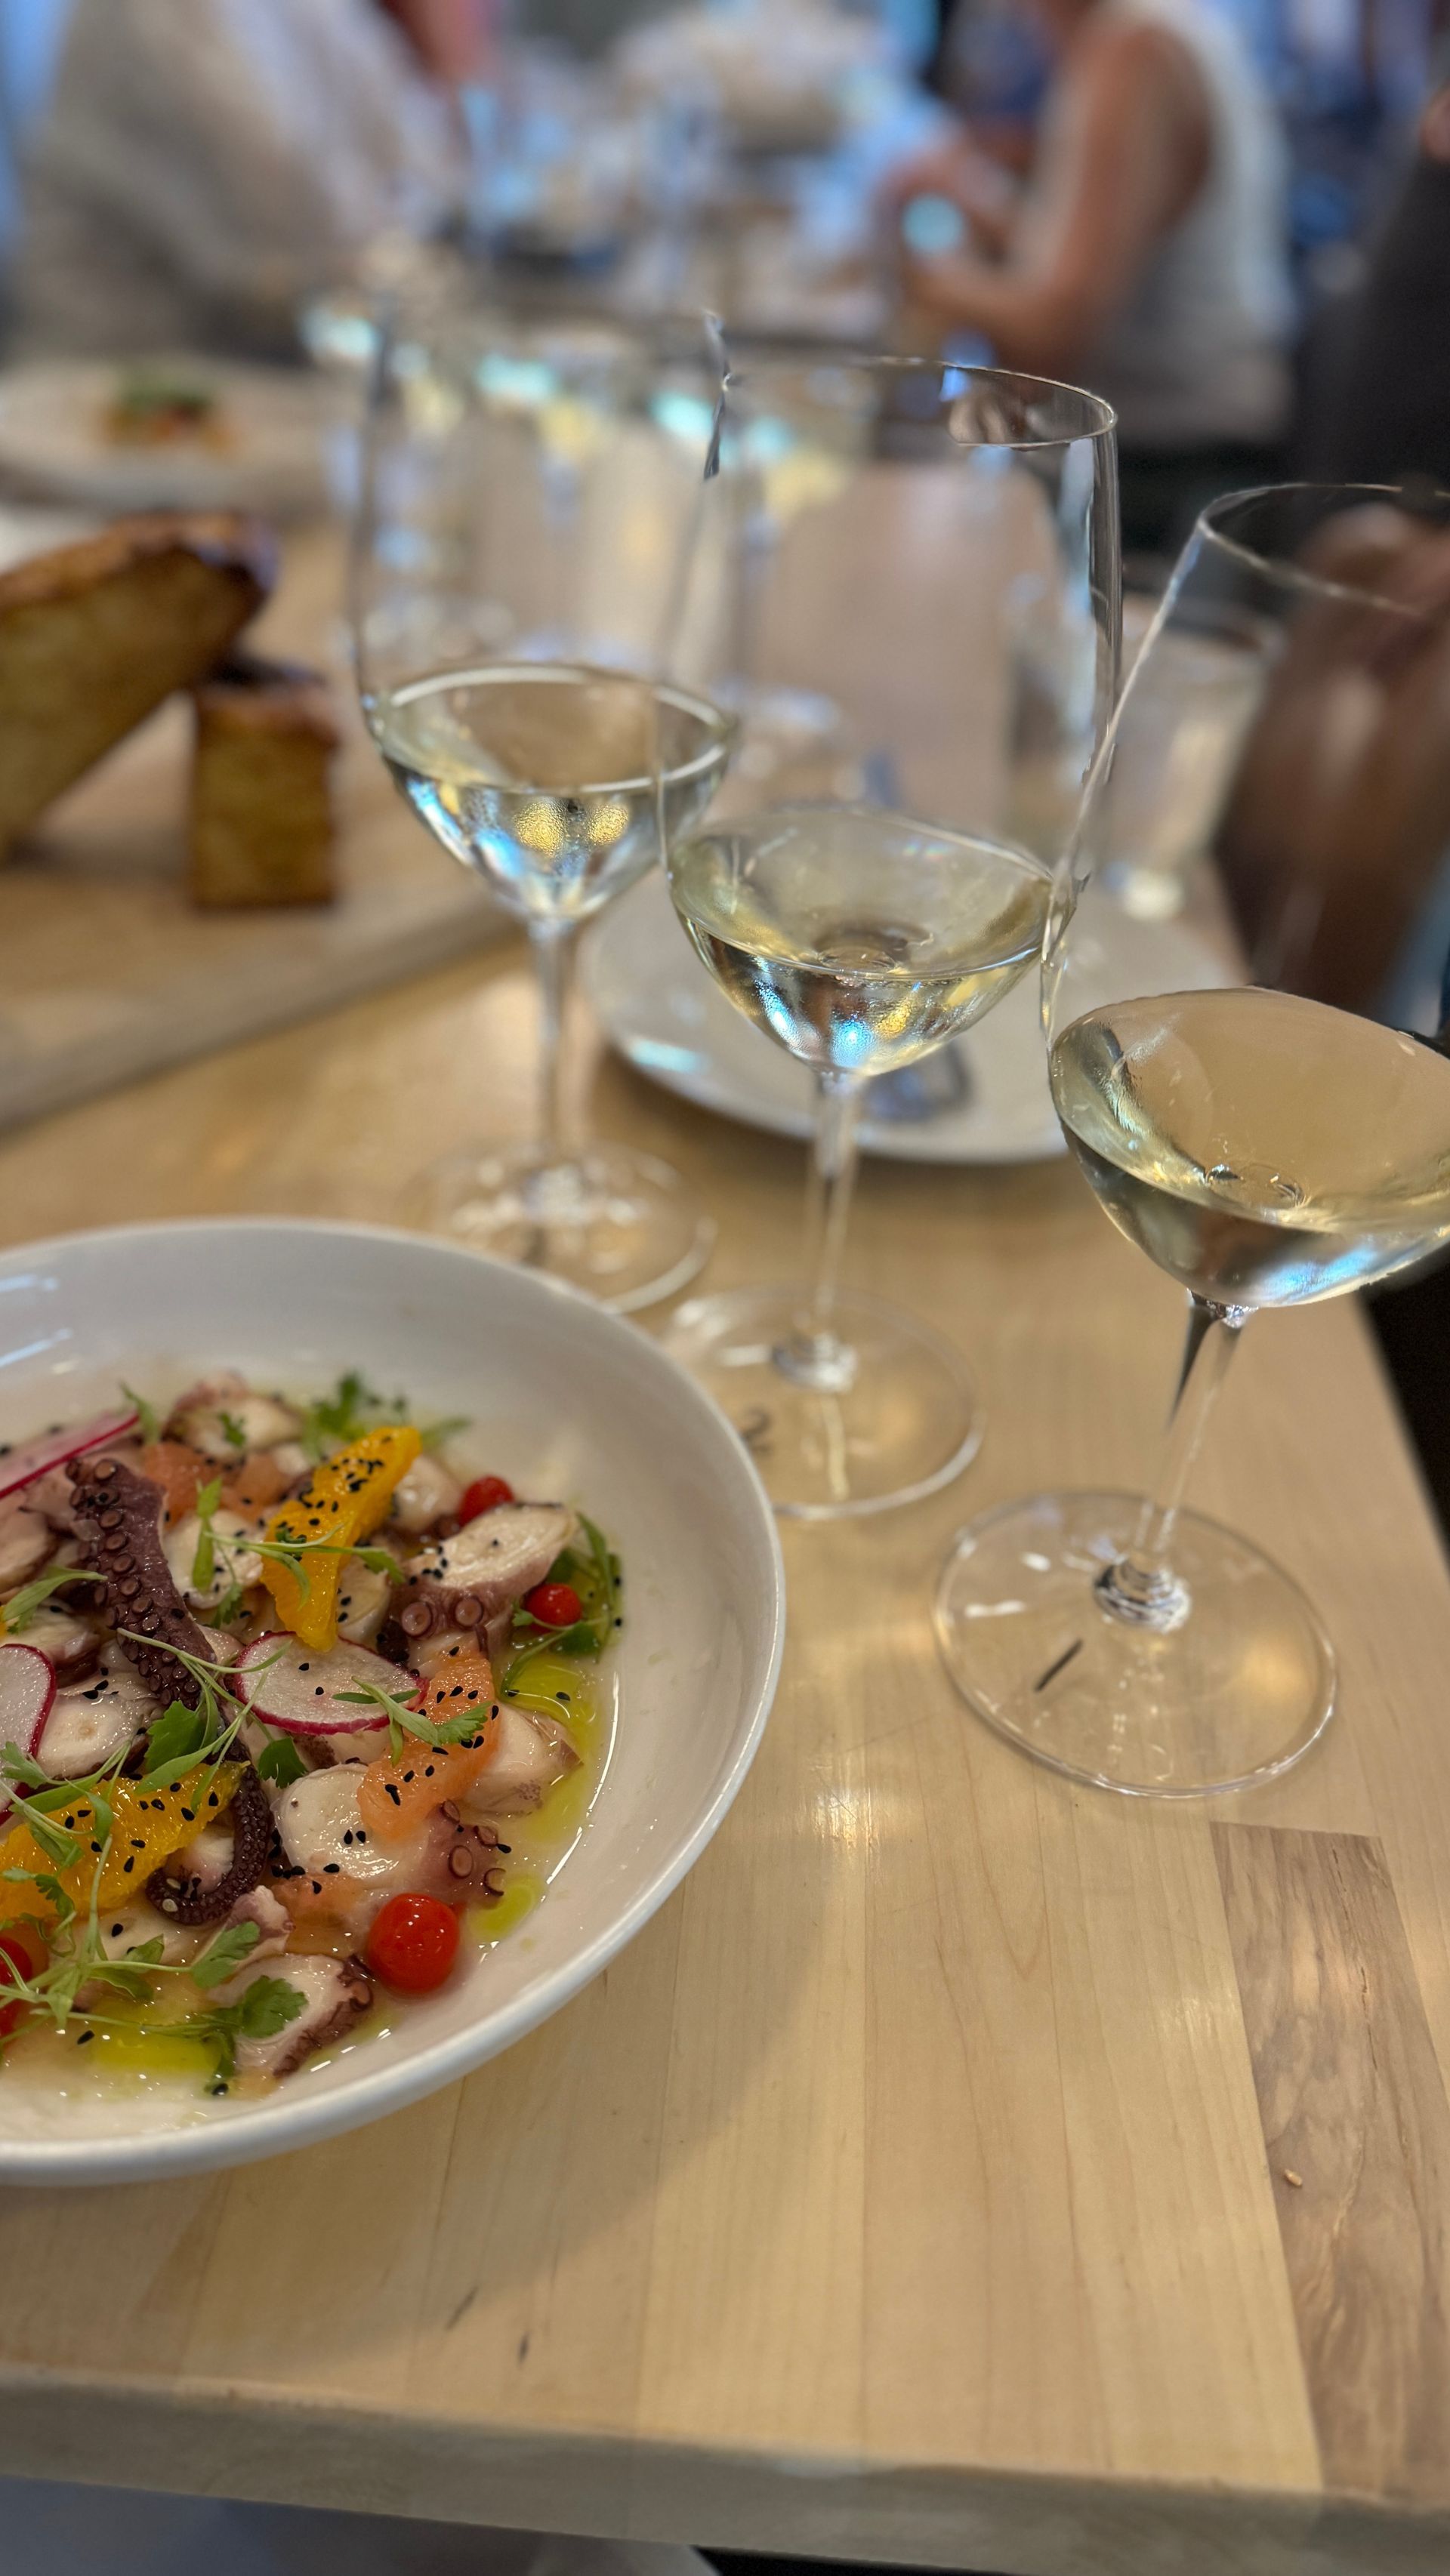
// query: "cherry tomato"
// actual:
[[413, 1943], [23, 1949], [484, 1495], [554, 1605]]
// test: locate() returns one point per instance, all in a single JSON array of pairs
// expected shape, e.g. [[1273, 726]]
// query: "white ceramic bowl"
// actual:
[[566, 1400]]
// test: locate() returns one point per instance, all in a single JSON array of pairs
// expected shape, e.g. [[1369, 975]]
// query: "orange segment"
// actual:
[[148, 1825], [395, 1794], [343, 1502]]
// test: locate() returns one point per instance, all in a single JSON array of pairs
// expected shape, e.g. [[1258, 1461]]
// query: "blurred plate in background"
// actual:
[[659, 1008], [261, 448]]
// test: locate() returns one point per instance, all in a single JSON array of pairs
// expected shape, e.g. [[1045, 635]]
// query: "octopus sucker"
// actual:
[[118, 1517]]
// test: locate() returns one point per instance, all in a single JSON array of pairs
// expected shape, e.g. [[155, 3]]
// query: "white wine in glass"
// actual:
[[521, 536], [1263, 1149], [860, 941], [557, 784], [1268, 1145], [860, 895]]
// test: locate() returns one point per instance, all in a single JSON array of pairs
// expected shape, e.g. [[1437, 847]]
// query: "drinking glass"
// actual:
[[527, 506], [1269, 1143], [862, 527]]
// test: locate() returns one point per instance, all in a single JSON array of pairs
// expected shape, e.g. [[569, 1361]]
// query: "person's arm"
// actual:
[[1135, 141]]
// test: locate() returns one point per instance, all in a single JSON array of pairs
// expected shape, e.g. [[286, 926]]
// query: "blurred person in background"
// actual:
[[206, 164], [1381, 413], [1143, 255]]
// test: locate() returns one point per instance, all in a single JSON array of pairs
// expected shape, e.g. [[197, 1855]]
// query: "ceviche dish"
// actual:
[[298, 1716]]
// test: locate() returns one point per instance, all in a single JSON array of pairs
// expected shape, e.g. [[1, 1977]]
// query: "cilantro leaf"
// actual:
[[281, 1763], [267, 2007], [233, 1433], [222, 1958], [179, 1731]]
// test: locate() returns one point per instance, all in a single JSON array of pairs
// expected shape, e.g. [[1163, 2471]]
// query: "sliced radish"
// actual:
[[296, 1688], [27, 1688], [34, 1457]]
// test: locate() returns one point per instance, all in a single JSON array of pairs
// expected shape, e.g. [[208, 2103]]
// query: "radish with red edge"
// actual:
[[27, 1687], [36, 1457], [293, 1686]]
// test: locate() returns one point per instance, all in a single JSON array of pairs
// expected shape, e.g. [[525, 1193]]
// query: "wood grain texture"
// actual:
[[902, 2191], [1358, 2134]]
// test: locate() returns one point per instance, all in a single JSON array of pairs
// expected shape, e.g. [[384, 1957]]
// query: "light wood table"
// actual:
[[962, 2168]]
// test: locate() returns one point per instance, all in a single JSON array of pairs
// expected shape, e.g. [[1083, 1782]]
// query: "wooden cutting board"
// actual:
[[107, 970]]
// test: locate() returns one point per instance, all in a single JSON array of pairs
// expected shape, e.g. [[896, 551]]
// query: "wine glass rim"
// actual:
[[1283, 568], [1101, 420], [552, 674]]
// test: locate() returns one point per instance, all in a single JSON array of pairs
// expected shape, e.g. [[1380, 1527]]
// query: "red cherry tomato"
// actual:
[[554, 1605], [484, 1495], [23, 1949], [413, 1943]]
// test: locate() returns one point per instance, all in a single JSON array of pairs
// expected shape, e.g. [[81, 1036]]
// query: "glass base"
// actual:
[[880, 1414], [622, 1226], [1234, 1690]]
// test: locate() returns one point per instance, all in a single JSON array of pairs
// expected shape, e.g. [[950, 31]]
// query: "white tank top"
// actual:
[[1198, 355]]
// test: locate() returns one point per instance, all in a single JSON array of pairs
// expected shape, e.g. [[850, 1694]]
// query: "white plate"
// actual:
[[52, 439], [565, 1400], [661, 1010]]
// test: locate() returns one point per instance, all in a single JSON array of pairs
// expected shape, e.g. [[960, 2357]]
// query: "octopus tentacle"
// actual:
[[185, 1900], [119, 1518]]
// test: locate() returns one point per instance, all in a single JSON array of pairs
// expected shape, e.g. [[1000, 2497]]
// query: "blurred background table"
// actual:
[[962, 2169]]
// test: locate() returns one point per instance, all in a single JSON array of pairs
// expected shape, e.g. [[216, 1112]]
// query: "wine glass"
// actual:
[[864, 527], [527, 508], [1267, 1144]]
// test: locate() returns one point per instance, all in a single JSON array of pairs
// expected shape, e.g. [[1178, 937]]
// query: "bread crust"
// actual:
[[233, 541], [94, 635]]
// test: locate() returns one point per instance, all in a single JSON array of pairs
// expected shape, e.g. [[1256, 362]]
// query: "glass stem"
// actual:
[[554, 944], [1142, 1586], [814, 1356]]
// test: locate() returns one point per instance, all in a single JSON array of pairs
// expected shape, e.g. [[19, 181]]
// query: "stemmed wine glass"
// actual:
[[865, 530], [525, 517], [1267, 1144]]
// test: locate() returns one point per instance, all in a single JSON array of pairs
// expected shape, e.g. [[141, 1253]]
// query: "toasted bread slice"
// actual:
[[261, 808], [95, 635]]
